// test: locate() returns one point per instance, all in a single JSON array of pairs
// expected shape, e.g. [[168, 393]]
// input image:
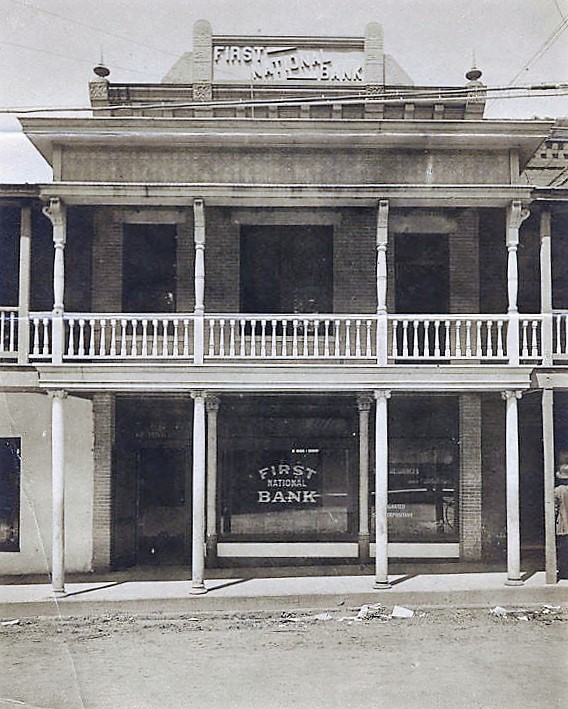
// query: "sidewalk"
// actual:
[[248, 593]]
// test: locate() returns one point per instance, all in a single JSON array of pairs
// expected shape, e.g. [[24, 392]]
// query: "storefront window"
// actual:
[[287, 477], [9, 494], [423, 481]]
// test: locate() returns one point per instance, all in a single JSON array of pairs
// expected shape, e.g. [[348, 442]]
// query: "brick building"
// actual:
[[300, 309]]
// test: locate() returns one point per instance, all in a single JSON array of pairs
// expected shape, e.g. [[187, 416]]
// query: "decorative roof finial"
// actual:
[[474, 74], [101, 70]]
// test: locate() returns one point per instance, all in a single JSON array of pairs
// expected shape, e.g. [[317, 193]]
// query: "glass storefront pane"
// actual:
[[287, 477], [9, 494], [423, 483]]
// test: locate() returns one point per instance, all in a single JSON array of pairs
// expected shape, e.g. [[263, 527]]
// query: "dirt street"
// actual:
[[312, 659]]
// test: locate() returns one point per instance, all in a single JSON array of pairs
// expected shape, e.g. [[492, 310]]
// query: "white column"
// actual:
[[548, 449], [546, 287], [58, 492], [381, 489], [382, 319], [364, 406], [515, 217], [212, 406], [199, 240], [24, 285], [56, 213], [512, 482], [198, 495]]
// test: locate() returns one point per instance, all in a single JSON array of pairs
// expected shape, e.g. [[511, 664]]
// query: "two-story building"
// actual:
[[283, 306]]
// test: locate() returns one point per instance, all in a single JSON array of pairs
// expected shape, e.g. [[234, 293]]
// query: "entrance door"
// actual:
[[152, 482], [162, 519], [287, 269]]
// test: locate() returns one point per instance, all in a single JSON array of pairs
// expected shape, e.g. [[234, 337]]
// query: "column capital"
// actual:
[[511, 394], [364, 401], [199, 221], [382, 394], [198, 394], [382, 224], [212, 403], [57, 394], [516, 215], [55, 212]]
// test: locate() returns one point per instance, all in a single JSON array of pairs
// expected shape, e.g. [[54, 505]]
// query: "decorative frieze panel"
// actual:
[[285, 166]]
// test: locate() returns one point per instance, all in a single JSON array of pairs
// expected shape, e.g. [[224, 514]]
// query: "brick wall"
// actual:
[[185, 260], [222, 261], [464, 263], [470, 477], [104, 429], [354, 262], [107, 263], [494, 523]]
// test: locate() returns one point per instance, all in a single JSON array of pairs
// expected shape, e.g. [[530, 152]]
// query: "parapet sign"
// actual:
[[260, 63]]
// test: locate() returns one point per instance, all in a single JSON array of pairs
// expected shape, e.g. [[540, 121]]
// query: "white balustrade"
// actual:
[[8, 331], [344, 337], [453, 337], [117, 336], [40, 336], [560, 334], [411, 338]]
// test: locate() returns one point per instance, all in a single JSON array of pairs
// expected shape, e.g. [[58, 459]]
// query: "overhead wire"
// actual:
[[123, 38], [75, 59], [389, 97]]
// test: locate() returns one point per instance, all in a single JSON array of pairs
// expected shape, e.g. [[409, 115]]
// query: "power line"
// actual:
[[75, 59], [124, 38], [542, 49], [431, 96]]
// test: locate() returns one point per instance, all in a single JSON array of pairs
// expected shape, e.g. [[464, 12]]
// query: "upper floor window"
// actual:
[[286, 269], [149, 268], [422, 273]]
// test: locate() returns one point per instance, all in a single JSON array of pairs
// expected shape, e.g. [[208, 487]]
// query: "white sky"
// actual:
[[48, 47]]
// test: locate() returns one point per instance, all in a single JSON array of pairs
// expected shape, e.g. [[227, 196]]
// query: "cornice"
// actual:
[[322, 134], [285, 195], [278, 378]]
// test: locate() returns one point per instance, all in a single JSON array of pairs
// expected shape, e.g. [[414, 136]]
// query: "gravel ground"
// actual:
[[342, 657]]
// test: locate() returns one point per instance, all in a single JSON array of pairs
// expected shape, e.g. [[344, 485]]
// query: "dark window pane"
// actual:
[[149, 269], [9, 494]]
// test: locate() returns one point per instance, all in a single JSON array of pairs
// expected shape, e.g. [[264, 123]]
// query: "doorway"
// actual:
[[286, 269], [149, 268], [422, 273], [151, 483]]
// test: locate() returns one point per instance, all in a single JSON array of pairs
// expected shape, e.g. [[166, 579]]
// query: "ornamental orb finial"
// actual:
[[474, 74], [101, 71]]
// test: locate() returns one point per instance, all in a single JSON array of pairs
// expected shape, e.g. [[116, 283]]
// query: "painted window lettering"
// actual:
[[301, 496]]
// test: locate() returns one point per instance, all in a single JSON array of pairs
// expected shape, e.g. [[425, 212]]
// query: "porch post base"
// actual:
[[198, 590], [381, 585], [514, 582], [211, 551], [58, 593], [364, 543]]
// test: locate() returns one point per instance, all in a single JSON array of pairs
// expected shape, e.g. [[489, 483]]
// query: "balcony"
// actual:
[[393, 339]]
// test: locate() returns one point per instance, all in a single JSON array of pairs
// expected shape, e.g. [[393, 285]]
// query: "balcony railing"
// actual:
[[560, 334], [339, 337], [8, 332], [356, 339], [116, 336]]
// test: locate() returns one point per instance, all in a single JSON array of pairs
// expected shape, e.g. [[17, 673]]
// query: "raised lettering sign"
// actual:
[[272, 64]]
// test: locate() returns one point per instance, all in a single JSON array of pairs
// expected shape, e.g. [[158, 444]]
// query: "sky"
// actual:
[[49, 47]]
